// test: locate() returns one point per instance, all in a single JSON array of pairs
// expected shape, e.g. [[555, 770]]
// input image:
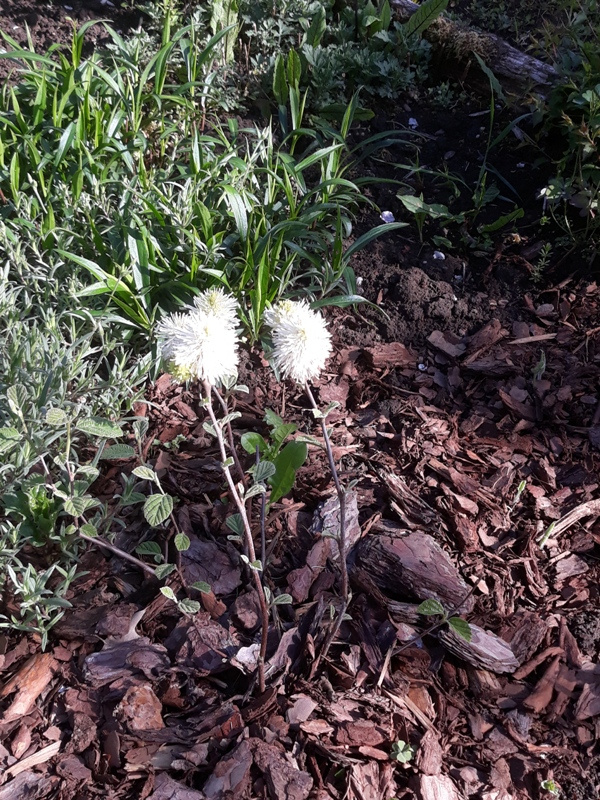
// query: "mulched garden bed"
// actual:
[[475, 381]]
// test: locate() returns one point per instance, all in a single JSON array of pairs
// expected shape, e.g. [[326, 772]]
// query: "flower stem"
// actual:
[[249, 541], [342, 544]]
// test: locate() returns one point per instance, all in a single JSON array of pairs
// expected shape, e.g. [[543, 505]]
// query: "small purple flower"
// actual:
[[387, 216]]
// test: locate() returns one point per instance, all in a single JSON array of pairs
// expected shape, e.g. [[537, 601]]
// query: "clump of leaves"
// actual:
[[433, 608]]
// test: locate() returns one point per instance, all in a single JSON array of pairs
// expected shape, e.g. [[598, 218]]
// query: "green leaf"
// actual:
[[283, 600], [17, 398], [318, 26], [229, 462], [182, 542], [157, 509], [431, 607], [187, 606], [235, 524], [55, 416], [76, 506], [258, 488], [250, 441], [169, 593], [280, 88], [163, 570], [209, 428], [287, 464], [202, 586], [118, 451], [148, 549], [89, 530], [145, 473], [427, 13], [101, 428], [502, 221], [263, 471], [461, 627]]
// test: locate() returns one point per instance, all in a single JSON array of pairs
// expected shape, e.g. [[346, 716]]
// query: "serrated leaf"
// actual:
[[148, 549], [202, 586], [431, 607], [9, 435], [55, 416], [89, 472], [17, 398], [209, 428], [258, 488], [163, 570], [263, 471], [241, 387], [283, 600], [230, 417], [235, 524], [187, 606], [118, 451], [461, 627], [76, 506], [89, 530], [145, 473], [182, 542], [100, 428], [168, 592], [157, 509]]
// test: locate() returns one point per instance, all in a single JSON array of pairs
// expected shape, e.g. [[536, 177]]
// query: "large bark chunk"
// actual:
[[412, 565]]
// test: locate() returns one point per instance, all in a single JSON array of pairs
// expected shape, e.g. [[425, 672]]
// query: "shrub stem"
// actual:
[[264, 610], [342, 544]]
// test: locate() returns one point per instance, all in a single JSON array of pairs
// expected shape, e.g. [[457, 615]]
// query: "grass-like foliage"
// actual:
[[108, 167]]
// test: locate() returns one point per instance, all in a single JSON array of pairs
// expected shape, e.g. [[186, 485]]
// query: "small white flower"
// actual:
[[218, 304], [200, 345], [387, 216], [301, 341]]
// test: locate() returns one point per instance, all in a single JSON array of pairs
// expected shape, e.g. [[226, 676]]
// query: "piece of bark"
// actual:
[[413, 506], [412, 565], [515, 69], [437, 787], [166, 788], [392, 354], [29, 682], [285, 780], [484, 650], [541, 696], [140, 709], [430, 754], [28, 786]]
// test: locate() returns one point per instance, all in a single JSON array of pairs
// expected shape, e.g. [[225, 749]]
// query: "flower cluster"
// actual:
[[202, 343], [301, 341]]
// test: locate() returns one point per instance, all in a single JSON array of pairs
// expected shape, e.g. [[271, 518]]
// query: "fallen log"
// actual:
[[516, 70]]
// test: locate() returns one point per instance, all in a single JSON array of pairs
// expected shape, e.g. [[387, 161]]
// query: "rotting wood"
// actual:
[[515, 69]]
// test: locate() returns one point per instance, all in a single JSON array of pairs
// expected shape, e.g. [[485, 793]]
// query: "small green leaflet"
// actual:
[[55, 416], [182, 542], [118, 451], [145, 473], [168, 592], [461, 627], [188, 606], [431, 607], [163, 570], [201, 586], [157, 509], [148, 549]]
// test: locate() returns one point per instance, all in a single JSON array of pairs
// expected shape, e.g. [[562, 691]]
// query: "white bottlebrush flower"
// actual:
[[200, 345], [218, 304], [301, 341]]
